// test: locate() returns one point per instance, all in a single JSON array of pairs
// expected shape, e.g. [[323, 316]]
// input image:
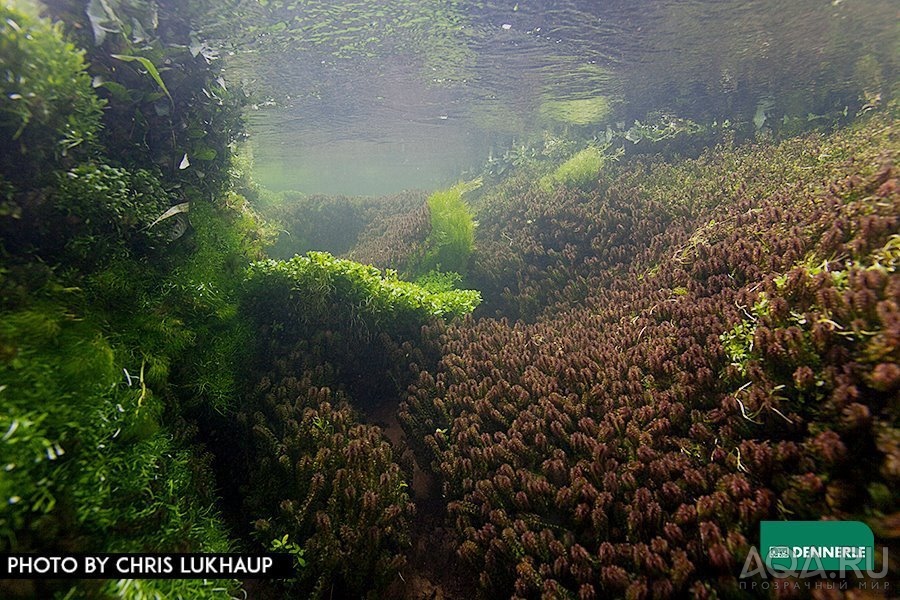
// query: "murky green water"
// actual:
[[375, 97]]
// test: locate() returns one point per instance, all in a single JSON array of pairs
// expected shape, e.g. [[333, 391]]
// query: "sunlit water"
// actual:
[[376, 97]]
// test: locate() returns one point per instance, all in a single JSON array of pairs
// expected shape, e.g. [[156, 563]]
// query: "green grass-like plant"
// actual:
[[452, 236], [581, 111], [88, 465], [580, 171]]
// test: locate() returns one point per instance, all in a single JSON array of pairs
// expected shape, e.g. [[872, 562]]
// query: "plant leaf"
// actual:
[[178, 208], [205, 154], [101, 20], [151, 70]]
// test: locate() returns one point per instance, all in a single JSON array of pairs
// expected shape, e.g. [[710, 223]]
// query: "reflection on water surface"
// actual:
[[374, 97]]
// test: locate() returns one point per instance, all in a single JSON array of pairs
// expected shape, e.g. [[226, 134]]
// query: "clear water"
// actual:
[[376, 97]]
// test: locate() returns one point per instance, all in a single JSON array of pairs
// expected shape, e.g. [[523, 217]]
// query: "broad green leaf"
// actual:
[[151, 69]]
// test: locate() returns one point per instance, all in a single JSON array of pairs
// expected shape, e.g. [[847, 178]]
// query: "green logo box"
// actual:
[[817, 545]]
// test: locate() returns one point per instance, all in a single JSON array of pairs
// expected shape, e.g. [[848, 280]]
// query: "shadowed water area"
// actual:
[[376, 97]]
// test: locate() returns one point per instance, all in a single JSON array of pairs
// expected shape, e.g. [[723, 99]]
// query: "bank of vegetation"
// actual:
[[660, 353]]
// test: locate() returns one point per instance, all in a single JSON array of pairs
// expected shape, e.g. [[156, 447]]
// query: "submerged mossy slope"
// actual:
[[316, 283]]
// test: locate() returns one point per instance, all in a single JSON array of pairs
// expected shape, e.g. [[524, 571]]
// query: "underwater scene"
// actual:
[[447, 299]]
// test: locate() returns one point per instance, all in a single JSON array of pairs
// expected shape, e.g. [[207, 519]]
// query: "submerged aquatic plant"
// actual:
[[579, 171], [88, 464], [163, 89], [49, 113], [610, 448], [396, 241], [451, 239], [95, 356], [313, 284], [321, 477], [687, 356], [151, 71]]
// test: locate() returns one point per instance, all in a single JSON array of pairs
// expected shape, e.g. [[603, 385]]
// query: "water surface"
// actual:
[[376, 97]]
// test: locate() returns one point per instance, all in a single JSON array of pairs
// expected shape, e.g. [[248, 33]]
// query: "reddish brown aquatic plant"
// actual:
[[629, 440]]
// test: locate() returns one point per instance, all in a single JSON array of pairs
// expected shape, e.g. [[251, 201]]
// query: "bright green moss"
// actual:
[[580, 171], [82, 446], [320, 282]]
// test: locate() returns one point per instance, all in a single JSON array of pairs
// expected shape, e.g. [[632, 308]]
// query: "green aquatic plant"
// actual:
[[439, 281], [452, 235], [518, 157], [223, 241], [110, 333], [201, 297], [659, 127], [305, 286], [102, 212], [738, 341], [580, 171], [151, 69], [49, 113], [162, 87], [283, 544], [87, 462]]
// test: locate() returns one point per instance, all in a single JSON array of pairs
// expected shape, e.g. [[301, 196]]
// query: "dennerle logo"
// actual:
[[859, 552], [828, 551]]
